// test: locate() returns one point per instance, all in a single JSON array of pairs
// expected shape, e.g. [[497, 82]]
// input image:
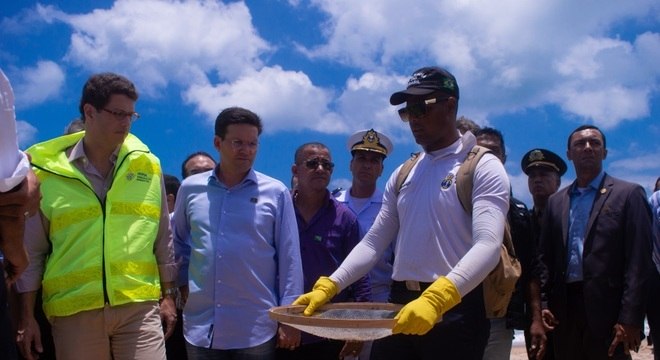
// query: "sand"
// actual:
[[645, 352]]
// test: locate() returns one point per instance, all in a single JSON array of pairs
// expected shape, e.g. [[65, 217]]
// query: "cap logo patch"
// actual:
[[536, 155], [370, 142], [448, 84], [417, 78], [371, 137]]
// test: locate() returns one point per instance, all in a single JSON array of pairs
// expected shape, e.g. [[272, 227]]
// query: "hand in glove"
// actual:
[[321, 293], [420, 315]]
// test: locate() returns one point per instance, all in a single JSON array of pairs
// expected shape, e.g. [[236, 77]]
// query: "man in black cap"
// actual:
[[442, 253], [544, 170]]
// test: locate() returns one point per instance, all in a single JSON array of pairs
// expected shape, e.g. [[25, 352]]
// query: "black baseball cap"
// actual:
[[425, 81]]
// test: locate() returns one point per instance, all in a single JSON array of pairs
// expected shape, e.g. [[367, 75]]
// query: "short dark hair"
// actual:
[[464, 124], [492, 132], [657, 185], [196, 153], [235, 115], [100, 87], [297, 157], [585, 127], [171, 184], [76, 125]]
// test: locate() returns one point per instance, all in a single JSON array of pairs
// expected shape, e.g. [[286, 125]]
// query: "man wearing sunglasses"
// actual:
[[442, 254], [101, 244], [328, 231]]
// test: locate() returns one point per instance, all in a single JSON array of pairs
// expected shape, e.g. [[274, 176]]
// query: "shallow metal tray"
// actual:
[[341, 321]]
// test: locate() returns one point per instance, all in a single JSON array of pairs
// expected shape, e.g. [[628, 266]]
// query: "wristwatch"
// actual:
[[170, 291]]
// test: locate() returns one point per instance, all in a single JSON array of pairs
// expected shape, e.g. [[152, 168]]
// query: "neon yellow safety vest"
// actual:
[[99, 253]]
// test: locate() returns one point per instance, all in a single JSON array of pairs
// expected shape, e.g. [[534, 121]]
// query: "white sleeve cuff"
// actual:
[[16, 172]]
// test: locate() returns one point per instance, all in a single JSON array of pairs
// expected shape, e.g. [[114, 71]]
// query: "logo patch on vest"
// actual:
[[130, 176], [143, 177], [447, 181]]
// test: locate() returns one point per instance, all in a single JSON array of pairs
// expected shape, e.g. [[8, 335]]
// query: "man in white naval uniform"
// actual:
[[368, 150]]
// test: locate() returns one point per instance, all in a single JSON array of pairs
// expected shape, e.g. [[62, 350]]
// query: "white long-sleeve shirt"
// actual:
[[434, 235]]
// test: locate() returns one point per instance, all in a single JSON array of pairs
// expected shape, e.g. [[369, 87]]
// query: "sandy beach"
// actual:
[[645, 352]]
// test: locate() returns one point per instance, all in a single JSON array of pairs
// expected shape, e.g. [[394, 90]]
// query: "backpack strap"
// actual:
[[405, 171], [465, 176], [465, 184]]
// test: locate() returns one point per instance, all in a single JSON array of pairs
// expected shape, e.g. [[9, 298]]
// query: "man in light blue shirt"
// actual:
[[582, 199], [236, 238], [594, 257]]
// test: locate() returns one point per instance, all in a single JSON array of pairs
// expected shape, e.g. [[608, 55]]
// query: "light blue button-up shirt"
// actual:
[[381, 274], [239, 253], [582, 200]]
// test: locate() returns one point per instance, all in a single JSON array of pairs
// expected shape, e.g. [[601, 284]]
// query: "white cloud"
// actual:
[[25, 133], [507, 55], [157, 42], [636, 164], [37, 84], [364, 103], [606, 107], [283, 99]]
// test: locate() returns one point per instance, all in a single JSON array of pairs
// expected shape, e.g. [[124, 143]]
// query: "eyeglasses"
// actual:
[[121, 115], [313, 164], [239, 144], [417, 110]]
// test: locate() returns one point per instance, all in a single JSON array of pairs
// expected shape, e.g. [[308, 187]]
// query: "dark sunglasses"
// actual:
[[313, 164], [417, 110]]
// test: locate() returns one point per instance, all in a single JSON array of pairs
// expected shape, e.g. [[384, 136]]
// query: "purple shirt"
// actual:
[[325, 242]]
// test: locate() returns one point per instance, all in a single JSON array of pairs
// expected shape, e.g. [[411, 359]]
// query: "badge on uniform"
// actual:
[[447, 181]]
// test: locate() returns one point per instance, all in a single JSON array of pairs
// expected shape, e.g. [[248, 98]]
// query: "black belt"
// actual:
[[411, 285]]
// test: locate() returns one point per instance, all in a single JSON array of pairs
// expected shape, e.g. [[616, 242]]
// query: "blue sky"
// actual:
[[320, 70]]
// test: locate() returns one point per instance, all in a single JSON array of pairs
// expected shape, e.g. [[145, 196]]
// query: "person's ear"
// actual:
[[217, 141], [89, 110]]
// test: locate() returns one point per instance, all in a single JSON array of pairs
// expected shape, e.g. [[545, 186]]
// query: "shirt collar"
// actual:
[[251, 176], [77, 152], [465, 141], [594, 184]]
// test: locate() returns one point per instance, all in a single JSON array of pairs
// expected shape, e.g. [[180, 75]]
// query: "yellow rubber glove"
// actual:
[[420, 315], [321, 293]]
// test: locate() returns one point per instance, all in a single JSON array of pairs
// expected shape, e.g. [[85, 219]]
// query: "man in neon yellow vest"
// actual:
[[100, 245]]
